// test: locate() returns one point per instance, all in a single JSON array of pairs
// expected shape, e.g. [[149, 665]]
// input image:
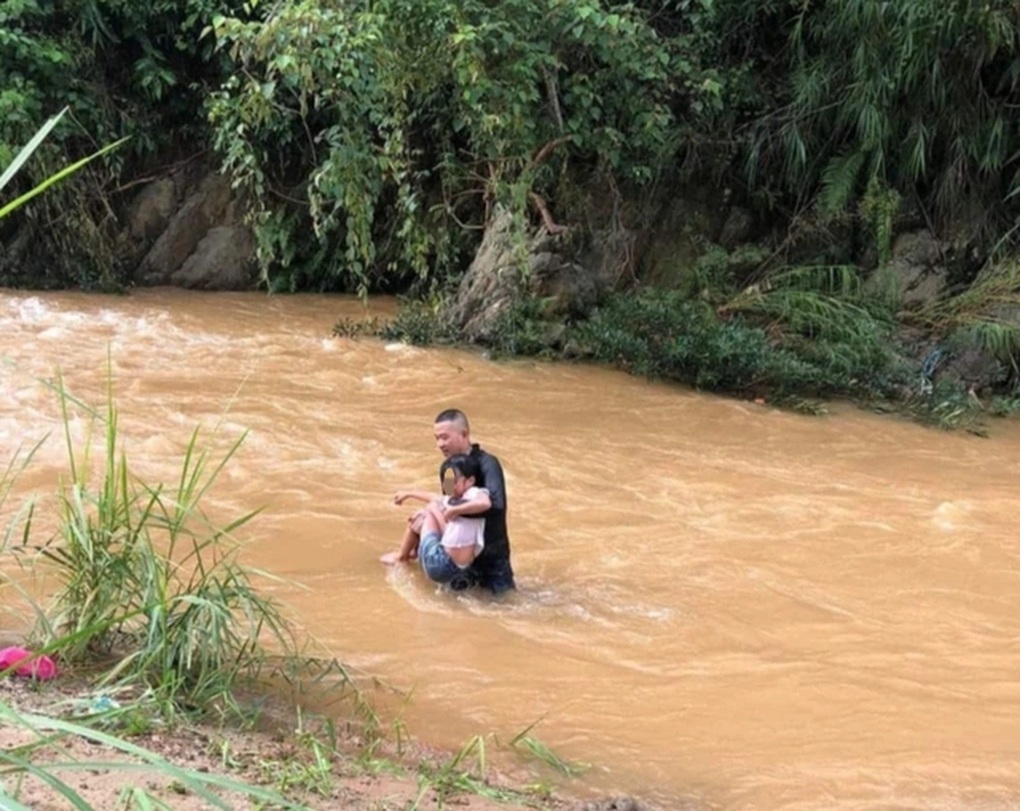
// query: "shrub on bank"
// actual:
[[666, 335], [780, 339], [660, 334]]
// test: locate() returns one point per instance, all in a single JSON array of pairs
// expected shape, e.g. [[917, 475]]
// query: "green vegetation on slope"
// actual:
[[372, 140]]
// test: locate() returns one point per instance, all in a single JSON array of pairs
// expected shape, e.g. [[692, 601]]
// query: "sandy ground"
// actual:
[[342, 776]]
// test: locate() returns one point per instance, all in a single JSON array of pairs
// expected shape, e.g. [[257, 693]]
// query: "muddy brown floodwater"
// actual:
[[720, 604]]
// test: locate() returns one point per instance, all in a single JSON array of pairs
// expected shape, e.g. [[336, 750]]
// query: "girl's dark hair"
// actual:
[[462, 464]]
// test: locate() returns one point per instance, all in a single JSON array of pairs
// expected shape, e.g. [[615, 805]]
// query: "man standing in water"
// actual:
[[491, 569]]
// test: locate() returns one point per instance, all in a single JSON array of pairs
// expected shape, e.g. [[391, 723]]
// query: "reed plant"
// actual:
[[463, 774], [148, 584], [21, 520], [540, 751]]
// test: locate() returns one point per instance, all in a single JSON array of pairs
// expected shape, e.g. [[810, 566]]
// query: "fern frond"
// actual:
[[839, 180], [996, 337]]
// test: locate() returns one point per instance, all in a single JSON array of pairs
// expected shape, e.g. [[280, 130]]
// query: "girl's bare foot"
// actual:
[[390, 558]]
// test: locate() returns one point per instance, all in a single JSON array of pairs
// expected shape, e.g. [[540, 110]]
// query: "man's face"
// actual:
[[450, 439]]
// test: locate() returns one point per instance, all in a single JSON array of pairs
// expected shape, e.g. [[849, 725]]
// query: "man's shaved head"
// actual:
[[453, 435], [455, 416]]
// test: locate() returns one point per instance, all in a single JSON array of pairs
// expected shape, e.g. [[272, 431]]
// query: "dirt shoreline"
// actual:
[[287, 754]]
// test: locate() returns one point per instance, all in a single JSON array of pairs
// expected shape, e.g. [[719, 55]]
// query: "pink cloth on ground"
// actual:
[[41, 667]]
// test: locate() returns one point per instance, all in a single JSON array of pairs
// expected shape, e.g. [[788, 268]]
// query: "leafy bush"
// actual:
[[418, 323], [524, 329], [390, 124]]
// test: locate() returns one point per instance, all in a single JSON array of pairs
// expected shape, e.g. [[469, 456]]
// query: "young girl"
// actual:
[[454, 530]]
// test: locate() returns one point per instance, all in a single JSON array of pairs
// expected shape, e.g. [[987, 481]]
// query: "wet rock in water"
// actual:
[[613, 804]]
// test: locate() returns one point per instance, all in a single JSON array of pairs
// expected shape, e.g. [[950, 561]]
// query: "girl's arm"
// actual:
[[480, 503], [420, 495]]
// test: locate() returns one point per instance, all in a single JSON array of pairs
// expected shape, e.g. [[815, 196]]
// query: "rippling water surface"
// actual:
[[720, 604]]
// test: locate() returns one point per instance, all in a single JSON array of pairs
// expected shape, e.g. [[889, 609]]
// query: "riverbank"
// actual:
[[287, 759]]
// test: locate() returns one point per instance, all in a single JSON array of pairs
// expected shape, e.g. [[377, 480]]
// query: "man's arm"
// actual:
[[492, 475]]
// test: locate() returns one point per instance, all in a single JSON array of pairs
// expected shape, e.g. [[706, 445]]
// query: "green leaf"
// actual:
[[50, 181], [29, 148]]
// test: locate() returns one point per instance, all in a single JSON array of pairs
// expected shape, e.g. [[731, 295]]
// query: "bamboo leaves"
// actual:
[[919, 96]]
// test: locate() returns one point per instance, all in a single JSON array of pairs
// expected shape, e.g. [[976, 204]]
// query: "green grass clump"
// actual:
[[419, 323], [751, 346], [147, 582]]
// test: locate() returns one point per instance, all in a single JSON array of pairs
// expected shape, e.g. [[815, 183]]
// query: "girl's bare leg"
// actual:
[[408, 544]]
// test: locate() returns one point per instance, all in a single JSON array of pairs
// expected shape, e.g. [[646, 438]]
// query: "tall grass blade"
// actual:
[[201, 783], [17, 202], [26, 151], [8, 803], [14, 763], [543, 753]]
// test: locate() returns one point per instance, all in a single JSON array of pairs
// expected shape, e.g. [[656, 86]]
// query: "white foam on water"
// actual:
[[30, 310], [53, 334], [408, 582], [607, 608], [950, 515]]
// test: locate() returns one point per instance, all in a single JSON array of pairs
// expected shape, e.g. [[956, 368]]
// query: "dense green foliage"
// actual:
[[916, 95], [804, 332], [796, 338], [372, 138], [390, 124], [124, 69]]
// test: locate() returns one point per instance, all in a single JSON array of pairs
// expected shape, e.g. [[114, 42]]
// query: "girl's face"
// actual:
[[449, 481], [461, 485]]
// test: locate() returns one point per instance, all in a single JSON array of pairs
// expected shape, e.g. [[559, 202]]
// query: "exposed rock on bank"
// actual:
[[568, 272], [188, 231]]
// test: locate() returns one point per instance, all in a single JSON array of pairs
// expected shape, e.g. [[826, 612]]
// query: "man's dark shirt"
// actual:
[[492, 566]]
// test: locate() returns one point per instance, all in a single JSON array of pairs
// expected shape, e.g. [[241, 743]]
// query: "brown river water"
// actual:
[[720, 604]]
